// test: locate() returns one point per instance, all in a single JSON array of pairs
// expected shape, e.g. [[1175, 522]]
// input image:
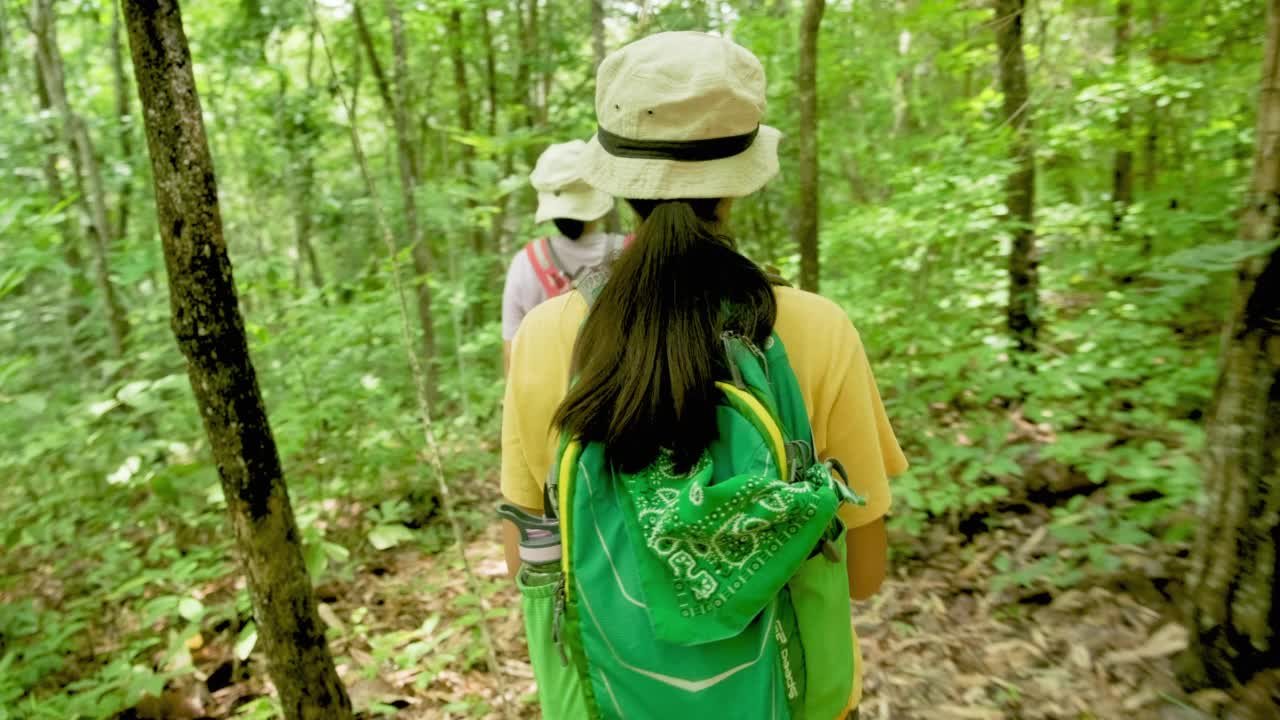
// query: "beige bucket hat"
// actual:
[[562, 193], [678, 116]]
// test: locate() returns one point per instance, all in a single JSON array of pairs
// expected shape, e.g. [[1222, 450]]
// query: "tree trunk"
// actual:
[[465, 119], [375, 64], [210, 332], [422, 261], [1020, 186], [597, 32], [612, 221], [1122, 174], [126, 126], [523, 92], [1151, 143], [490, 69], [903, 119], [499, 219], [1233, 606], [4, 41], [87, 173], [547, 54], [303, 151], [536, 100], [302, 223], [806, 90], [76, 311]]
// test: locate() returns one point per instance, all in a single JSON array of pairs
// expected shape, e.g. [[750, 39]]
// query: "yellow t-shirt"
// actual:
[[825, 352]]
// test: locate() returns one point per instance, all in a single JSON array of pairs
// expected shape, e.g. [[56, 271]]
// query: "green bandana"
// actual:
[[721, 548]]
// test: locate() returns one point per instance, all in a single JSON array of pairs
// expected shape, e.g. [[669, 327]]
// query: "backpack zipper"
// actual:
[[557, 614]]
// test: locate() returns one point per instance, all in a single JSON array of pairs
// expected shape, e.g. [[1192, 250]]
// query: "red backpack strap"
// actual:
[[550, 276]]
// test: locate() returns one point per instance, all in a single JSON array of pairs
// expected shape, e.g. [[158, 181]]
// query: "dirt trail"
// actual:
[[937, 643]]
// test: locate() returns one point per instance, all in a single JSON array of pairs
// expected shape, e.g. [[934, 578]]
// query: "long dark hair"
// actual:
[[569, 227], [651, 349]]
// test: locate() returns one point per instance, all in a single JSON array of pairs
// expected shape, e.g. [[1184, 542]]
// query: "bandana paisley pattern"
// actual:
[[719, 551]]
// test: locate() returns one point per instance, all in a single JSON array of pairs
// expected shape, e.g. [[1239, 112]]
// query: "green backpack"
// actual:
[[718, 592]]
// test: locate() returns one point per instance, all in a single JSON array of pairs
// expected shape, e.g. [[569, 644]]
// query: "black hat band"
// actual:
[[680, 150]]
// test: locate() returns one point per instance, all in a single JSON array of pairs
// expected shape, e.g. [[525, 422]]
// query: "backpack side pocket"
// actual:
[[559, 687], [820, 594]]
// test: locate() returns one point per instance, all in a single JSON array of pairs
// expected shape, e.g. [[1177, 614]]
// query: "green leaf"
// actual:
[[245, 641], [134, 391], [384, 537], [190, 609], [336, 552], [316, 559]]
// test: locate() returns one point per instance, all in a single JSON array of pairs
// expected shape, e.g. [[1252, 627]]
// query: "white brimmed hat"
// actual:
[[678, 116], [562, 193]]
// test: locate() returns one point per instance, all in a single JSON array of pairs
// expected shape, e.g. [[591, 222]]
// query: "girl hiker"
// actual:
[[550, 265], [696, 460]]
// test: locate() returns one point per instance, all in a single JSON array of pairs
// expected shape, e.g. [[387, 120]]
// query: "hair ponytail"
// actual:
[[650, 351]]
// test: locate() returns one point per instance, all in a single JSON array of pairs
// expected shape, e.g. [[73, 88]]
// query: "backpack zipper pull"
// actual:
[[829, 551], [556, 615]]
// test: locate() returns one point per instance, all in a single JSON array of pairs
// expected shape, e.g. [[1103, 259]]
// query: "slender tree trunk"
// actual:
[[88, 175], [422, 260], [547, 54], [303, 224], [1151, 143], [4, 41], [612, 221], [523, 92], [807, 91], [903, 118], [375, 64], [1122, 171], [1233, 606], [490, 69], [304, 160], [537, 102], [466, 121], [126, 126], [499, 219], [210, 332], [597, 32], [1020, 186], [78, 286]]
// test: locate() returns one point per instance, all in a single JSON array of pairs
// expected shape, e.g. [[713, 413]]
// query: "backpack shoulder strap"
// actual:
[[550, 275]]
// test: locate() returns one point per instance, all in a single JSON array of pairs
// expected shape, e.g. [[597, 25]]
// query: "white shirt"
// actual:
[[524, 292]]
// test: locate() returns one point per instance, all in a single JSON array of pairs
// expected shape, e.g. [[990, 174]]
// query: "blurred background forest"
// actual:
[[1041, 539]]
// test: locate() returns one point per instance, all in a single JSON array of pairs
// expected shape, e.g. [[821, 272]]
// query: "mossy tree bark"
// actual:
[[1020, 185], [806, 87], [1233, 607], [210, 332]]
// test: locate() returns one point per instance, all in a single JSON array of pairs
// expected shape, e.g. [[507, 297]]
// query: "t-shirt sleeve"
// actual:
[[536, 383], [850, 425], [519, 483], [520, 294]]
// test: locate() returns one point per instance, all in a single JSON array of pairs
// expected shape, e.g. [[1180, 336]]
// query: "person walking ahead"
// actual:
[[679, 428], [552, 264]]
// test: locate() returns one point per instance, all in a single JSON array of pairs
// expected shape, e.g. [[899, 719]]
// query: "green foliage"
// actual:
[[117, 559]]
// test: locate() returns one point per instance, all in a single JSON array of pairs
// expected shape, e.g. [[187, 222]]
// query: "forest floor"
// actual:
[[938, 642]]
